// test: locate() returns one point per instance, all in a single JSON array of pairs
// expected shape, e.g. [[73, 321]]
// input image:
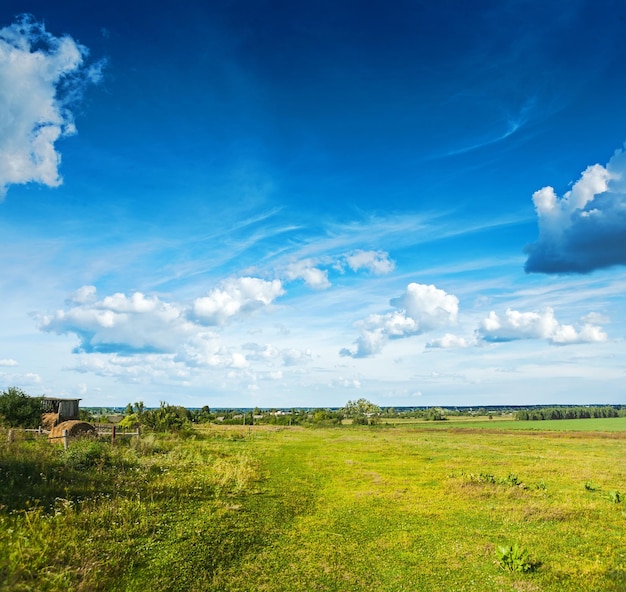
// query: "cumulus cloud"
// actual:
[[83, 295], [120, 332], [420, 309], [429, 306], [305, 270], [8, 362], [586, 228], [376, 262], [236, 296], [515, 325], [40, 77], [120, 323]]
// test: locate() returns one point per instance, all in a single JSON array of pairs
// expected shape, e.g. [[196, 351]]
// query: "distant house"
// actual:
[[64, 408]]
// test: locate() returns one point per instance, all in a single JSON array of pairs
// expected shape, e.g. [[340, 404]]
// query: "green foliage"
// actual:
[[166, 418], [567, 412], [129, 422], [87, 453], [616, 497], [203, 415], [435, 414], [360, 408], [17, 409], [86, 415], [361, 412], [323, 418], [510, 480], [514, 558]]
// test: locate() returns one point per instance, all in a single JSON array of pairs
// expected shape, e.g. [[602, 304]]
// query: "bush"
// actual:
[[18, 410], [166, 418], [87, 453]]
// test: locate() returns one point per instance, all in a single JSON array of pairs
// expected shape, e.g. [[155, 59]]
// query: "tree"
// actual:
[[17, 409], [362, 412], [166, 418], [360, 408], [435, 414]]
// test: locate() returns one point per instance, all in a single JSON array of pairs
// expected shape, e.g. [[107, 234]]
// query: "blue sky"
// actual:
[[285, 204]]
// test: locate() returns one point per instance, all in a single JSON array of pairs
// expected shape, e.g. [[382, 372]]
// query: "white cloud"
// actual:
[[305, 270], [269, 354], [586, 228], [83, 295], [448, 341], [205, 348], [20, 380], [8, 362], [235, 297], [137, 337], [595, 318], [121, 323], [516, 325], [347, 383], [34, 112], [314, 270], [429, 306], [420, 309], [138, 369], [376, 262]]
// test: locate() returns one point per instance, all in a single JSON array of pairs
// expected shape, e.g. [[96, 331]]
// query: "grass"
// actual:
[[601, 424], [389, 508]]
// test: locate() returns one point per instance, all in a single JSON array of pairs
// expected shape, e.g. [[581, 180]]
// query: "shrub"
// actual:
[[166, 418], [87, 453], [17, 409]]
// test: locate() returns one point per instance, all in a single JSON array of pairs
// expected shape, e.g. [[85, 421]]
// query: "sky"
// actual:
[[242, 203]]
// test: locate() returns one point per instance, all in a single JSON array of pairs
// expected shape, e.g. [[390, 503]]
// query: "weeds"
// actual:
[[616, 497], [510, 480], [515, 558], [87, 453]]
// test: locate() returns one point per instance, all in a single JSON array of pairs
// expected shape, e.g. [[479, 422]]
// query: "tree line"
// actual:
[[581, 412]]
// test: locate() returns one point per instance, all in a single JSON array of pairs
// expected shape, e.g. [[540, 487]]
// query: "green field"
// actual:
[[603, 424], [414, 507]]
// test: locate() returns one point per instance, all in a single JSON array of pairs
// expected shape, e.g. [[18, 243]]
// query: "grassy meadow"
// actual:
[[398, 508]]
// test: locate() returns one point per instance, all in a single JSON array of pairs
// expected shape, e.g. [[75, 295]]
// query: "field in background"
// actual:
[[602, 424], [414, 507]]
